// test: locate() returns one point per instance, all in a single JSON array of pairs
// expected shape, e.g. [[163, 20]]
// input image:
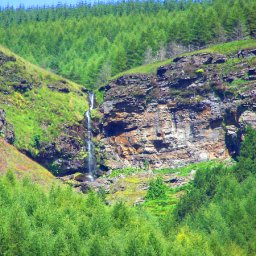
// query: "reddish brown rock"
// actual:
[[179, 116]]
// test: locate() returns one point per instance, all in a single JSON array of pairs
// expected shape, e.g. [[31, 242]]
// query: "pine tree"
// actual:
[[247, 159], [119, 59]]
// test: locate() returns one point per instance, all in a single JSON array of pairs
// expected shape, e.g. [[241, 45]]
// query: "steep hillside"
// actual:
[[12, 160], [42, 114], [194, 109]]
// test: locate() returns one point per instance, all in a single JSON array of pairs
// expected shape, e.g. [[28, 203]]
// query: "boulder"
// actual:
[[248, 118]]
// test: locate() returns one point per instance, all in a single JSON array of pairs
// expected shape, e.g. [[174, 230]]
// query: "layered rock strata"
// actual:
[[194, 109]]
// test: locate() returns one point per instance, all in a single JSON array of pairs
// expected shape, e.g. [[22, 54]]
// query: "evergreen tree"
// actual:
[[247, 159], [74, 41]]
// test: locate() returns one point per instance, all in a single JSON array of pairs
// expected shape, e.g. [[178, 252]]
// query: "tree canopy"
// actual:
[[78, 41]]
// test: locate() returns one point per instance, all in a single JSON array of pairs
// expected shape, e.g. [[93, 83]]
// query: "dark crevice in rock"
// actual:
[[117, 128], [233, 139], [216, 123], [161, 71], [230, 117], [182, 83], [159, 144]]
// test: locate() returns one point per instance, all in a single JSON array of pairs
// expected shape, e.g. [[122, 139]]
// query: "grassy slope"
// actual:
[[40, 113], [21, 165], [226, 48], [131, 184]]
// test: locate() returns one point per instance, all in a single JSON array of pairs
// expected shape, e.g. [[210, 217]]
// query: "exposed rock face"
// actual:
[[6, 129], [248, 118], [4, 58], [67, 154], [188, 112]]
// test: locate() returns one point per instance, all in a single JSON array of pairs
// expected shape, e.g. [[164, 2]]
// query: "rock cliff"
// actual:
[[192, 110]]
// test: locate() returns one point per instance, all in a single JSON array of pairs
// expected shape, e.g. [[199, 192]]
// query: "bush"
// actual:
[[157, 189], [199, 71], [102, 194]]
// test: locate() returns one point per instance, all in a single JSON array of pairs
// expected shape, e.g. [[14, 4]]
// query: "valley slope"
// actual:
[[189, 109], [22, 166], [42, 114]]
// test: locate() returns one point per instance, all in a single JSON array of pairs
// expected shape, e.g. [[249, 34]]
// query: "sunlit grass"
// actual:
[[224, 48], [39, 113]]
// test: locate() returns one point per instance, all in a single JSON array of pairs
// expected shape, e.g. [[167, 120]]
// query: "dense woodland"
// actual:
[[90, 43], [215, 217]]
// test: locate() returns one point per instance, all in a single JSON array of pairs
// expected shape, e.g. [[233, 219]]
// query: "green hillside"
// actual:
[[38, 103], [21, 165]]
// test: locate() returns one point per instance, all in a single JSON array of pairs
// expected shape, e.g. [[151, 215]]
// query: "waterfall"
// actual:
[[91, 100], [90, 145]]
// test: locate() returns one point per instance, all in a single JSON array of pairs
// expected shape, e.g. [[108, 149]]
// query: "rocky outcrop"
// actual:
[[130, 188], [194, 109], [4, 58], [67, 154], [61, 86], [6, 129]]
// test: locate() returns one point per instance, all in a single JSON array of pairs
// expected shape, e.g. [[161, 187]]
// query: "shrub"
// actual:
[[199, 71], [102, 194], [121, 215], [157, 189]]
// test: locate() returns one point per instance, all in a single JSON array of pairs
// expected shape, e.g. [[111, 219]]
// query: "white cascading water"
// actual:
[[90, 146]]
